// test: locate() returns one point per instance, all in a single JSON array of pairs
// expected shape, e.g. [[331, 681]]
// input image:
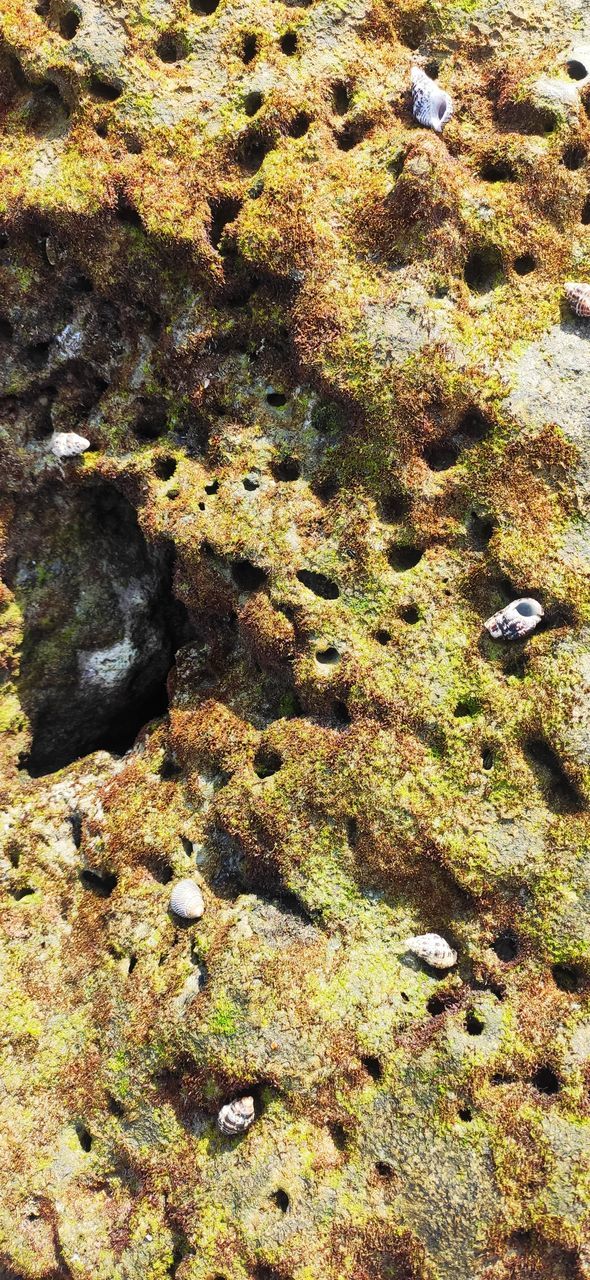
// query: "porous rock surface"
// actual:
[[338, 414]]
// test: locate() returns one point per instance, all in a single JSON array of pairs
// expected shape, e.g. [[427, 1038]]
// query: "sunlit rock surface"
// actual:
[[337, 408]]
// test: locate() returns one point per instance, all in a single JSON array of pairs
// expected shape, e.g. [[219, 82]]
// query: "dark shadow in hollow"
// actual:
[[101, 625]]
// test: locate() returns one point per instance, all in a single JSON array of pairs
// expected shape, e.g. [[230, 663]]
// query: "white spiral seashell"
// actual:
[[237, 1116], [433, 949], [186, 900], [67, 444], [578, 296], [431, 106], [516, 620]]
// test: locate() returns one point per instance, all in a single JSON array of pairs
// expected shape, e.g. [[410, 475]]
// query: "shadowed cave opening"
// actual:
[[101, 625]]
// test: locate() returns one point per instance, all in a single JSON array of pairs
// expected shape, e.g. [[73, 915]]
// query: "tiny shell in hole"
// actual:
[[236, 1116], [578, 296], [433, 949], [516, 620], [431, 106], [186, 900], [68, 444]]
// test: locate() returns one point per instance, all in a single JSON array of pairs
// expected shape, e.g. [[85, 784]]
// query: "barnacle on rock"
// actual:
[[578, 295], [432, 948]]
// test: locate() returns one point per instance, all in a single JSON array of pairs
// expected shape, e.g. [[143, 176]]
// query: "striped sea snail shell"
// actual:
[[433, 949], [431, 106], [237, 1116], [67, 444], [578, 296], [516, 620], [186, 900]]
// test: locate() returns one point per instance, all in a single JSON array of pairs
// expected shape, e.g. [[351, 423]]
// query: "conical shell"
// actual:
[[67, 444], [516, 620], [578, 296], [186, 900], [237, 1116], [433, 949], [431, 106]]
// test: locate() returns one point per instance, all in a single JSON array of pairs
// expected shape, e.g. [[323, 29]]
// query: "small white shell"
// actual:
[[433, 949], [186, 900], [237, 1116], [516, 620], [431, 106], [67, 444], [578, 296]]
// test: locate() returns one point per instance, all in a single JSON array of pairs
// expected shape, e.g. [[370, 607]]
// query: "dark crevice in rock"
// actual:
[[101, 624]]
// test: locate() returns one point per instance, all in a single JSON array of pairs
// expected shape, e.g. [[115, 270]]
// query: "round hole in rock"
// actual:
[[585, 214], [251, 156], [249, 47], [169, 769], [432, 69], [487, 758], [169, 48], [288, 469], [164, 468], [480, 529], [250, 483], [524, 264], [349, 136], [160, 871], [465, 1114], [393, 506], [566, 977], [222, 213], [339, 1136], [545, 1080], [319, 584], [436, 1006], [474, 1025], [467, 707], [410, 614], [69, 23], [299, 126], [341, 713], [506, 946], [206, 7], [38, 353], [84, 1137], [440, 457], [281, 1199], [212, 487], [497, 171], [276, 399], [6, 331], [328, 657], [373, 1066], [382, 636], [100, 883], [253, 102], [26, 892], [576, 70], [266, 762], [115, 1107], [105, 90], [152, 422], [384, 1169], [402, 556], [340, 98], [288, 43], [574, 157], [248, 576], [132, 144], [483, 270]]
